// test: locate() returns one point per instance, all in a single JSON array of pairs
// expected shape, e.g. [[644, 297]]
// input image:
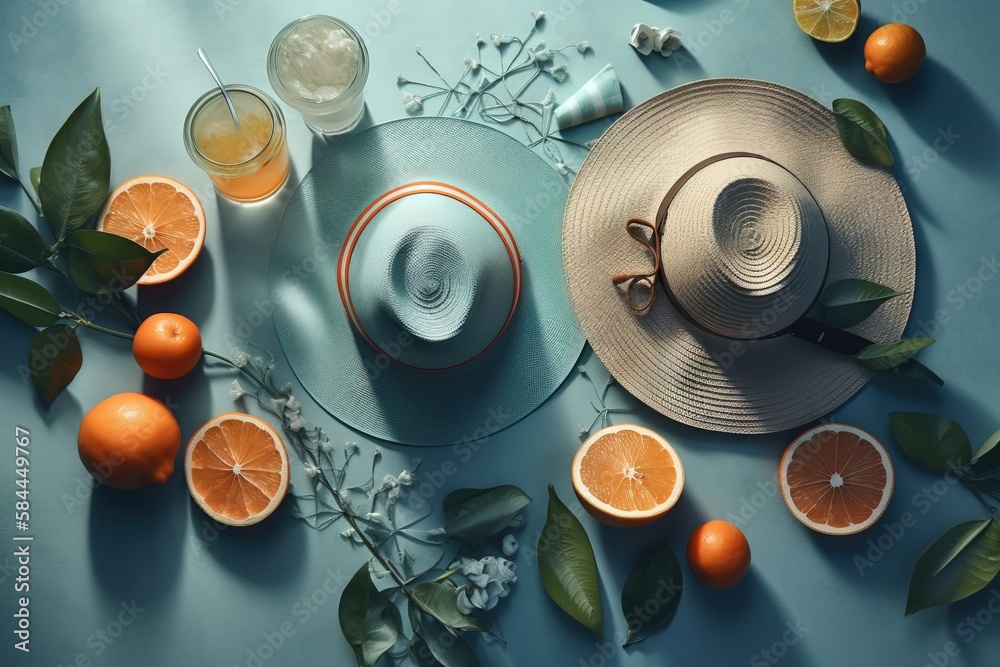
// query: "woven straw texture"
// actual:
[[676, 368], [340, 369]]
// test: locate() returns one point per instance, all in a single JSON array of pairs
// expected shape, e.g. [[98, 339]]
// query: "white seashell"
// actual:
[[667, 41], [646, 39], [642, 38]]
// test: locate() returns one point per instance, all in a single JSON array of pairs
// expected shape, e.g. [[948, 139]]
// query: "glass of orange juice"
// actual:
[[246, 163]]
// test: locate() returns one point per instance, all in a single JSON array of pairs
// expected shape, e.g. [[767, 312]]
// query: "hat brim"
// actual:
[[341, 370], [681, 371]]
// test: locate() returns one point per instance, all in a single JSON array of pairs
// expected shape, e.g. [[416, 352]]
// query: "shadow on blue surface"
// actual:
[[270, 553], [175, 296], [950, 119], [136, 540]]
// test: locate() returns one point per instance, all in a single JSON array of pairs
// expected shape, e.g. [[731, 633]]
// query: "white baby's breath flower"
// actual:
[[550, 98], [279, 405], [401, 79], [236, 391], [325, 446], [540, 53], [405, 478], [538, 16], [479, 40], [496, 40], [516, 522], [584, 46], [347, 534], [294, 421], [350, 448], [472, 64], [559, 73], [312, 469], [489, 578], [509, 545], [292, 403], [240, 357]]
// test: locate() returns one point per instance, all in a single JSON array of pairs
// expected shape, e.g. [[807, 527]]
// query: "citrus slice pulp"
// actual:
[[237, 469], [627, 475], [836, 479], [827, 20], [157, 212]]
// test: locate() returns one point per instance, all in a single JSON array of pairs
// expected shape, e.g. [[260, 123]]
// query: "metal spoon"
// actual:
[[222, 87]]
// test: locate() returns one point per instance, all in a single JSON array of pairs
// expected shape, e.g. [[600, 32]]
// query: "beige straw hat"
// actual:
[[754, 206]]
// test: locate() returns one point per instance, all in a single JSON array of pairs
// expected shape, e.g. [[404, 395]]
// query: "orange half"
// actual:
[[157, 212], [627, 475], [827, 20], [237, 469], [836, 479]]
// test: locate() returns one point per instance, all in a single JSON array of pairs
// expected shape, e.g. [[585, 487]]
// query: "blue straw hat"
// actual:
[[441, 313]]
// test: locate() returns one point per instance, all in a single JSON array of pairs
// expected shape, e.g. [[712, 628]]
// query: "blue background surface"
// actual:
[[207, 598]]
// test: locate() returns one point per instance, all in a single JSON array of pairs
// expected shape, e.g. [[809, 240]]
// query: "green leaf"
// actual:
[[8, 144], [54, 359], [28, 301], [381, 630], [76, 171], [353, 610], [651, 595], [475, 513], [440, 600], [852, 301], [987, 459], [21, 246], [445, 647], [990, 486], [368, 619], [962, 561], [933, 441], [35, 175], [862, 132], [101, 263], [567, 565], [914, 369], [880, 357]]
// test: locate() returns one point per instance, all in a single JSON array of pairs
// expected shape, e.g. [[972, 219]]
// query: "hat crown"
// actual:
[[431, 278], [745, 248], [432, 286]]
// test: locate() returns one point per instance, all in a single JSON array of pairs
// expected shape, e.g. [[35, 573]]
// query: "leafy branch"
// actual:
[[847, 303], [98, 267], [966, 558]]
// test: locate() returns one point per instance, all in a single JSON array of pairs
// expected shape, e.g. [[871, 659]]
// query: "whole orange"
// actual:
[[167, 346], [718, 553], [129, 440], [894, 52]]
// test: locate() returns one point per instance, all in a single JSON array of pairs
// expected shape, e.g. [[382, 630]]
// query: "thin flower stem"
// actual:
[[31, 197], [989, 508], [259, 381], [82, 321], [447, 575], [352, 521]]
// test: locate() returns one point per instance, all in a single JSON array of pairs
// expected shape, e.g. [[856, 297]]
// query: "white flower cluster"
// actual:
[[646, 39], [412, 103], [489, 580]]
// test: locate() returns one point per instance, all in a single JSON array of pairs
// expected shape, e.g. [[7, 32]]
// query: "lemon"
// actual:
[[827, 20]]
